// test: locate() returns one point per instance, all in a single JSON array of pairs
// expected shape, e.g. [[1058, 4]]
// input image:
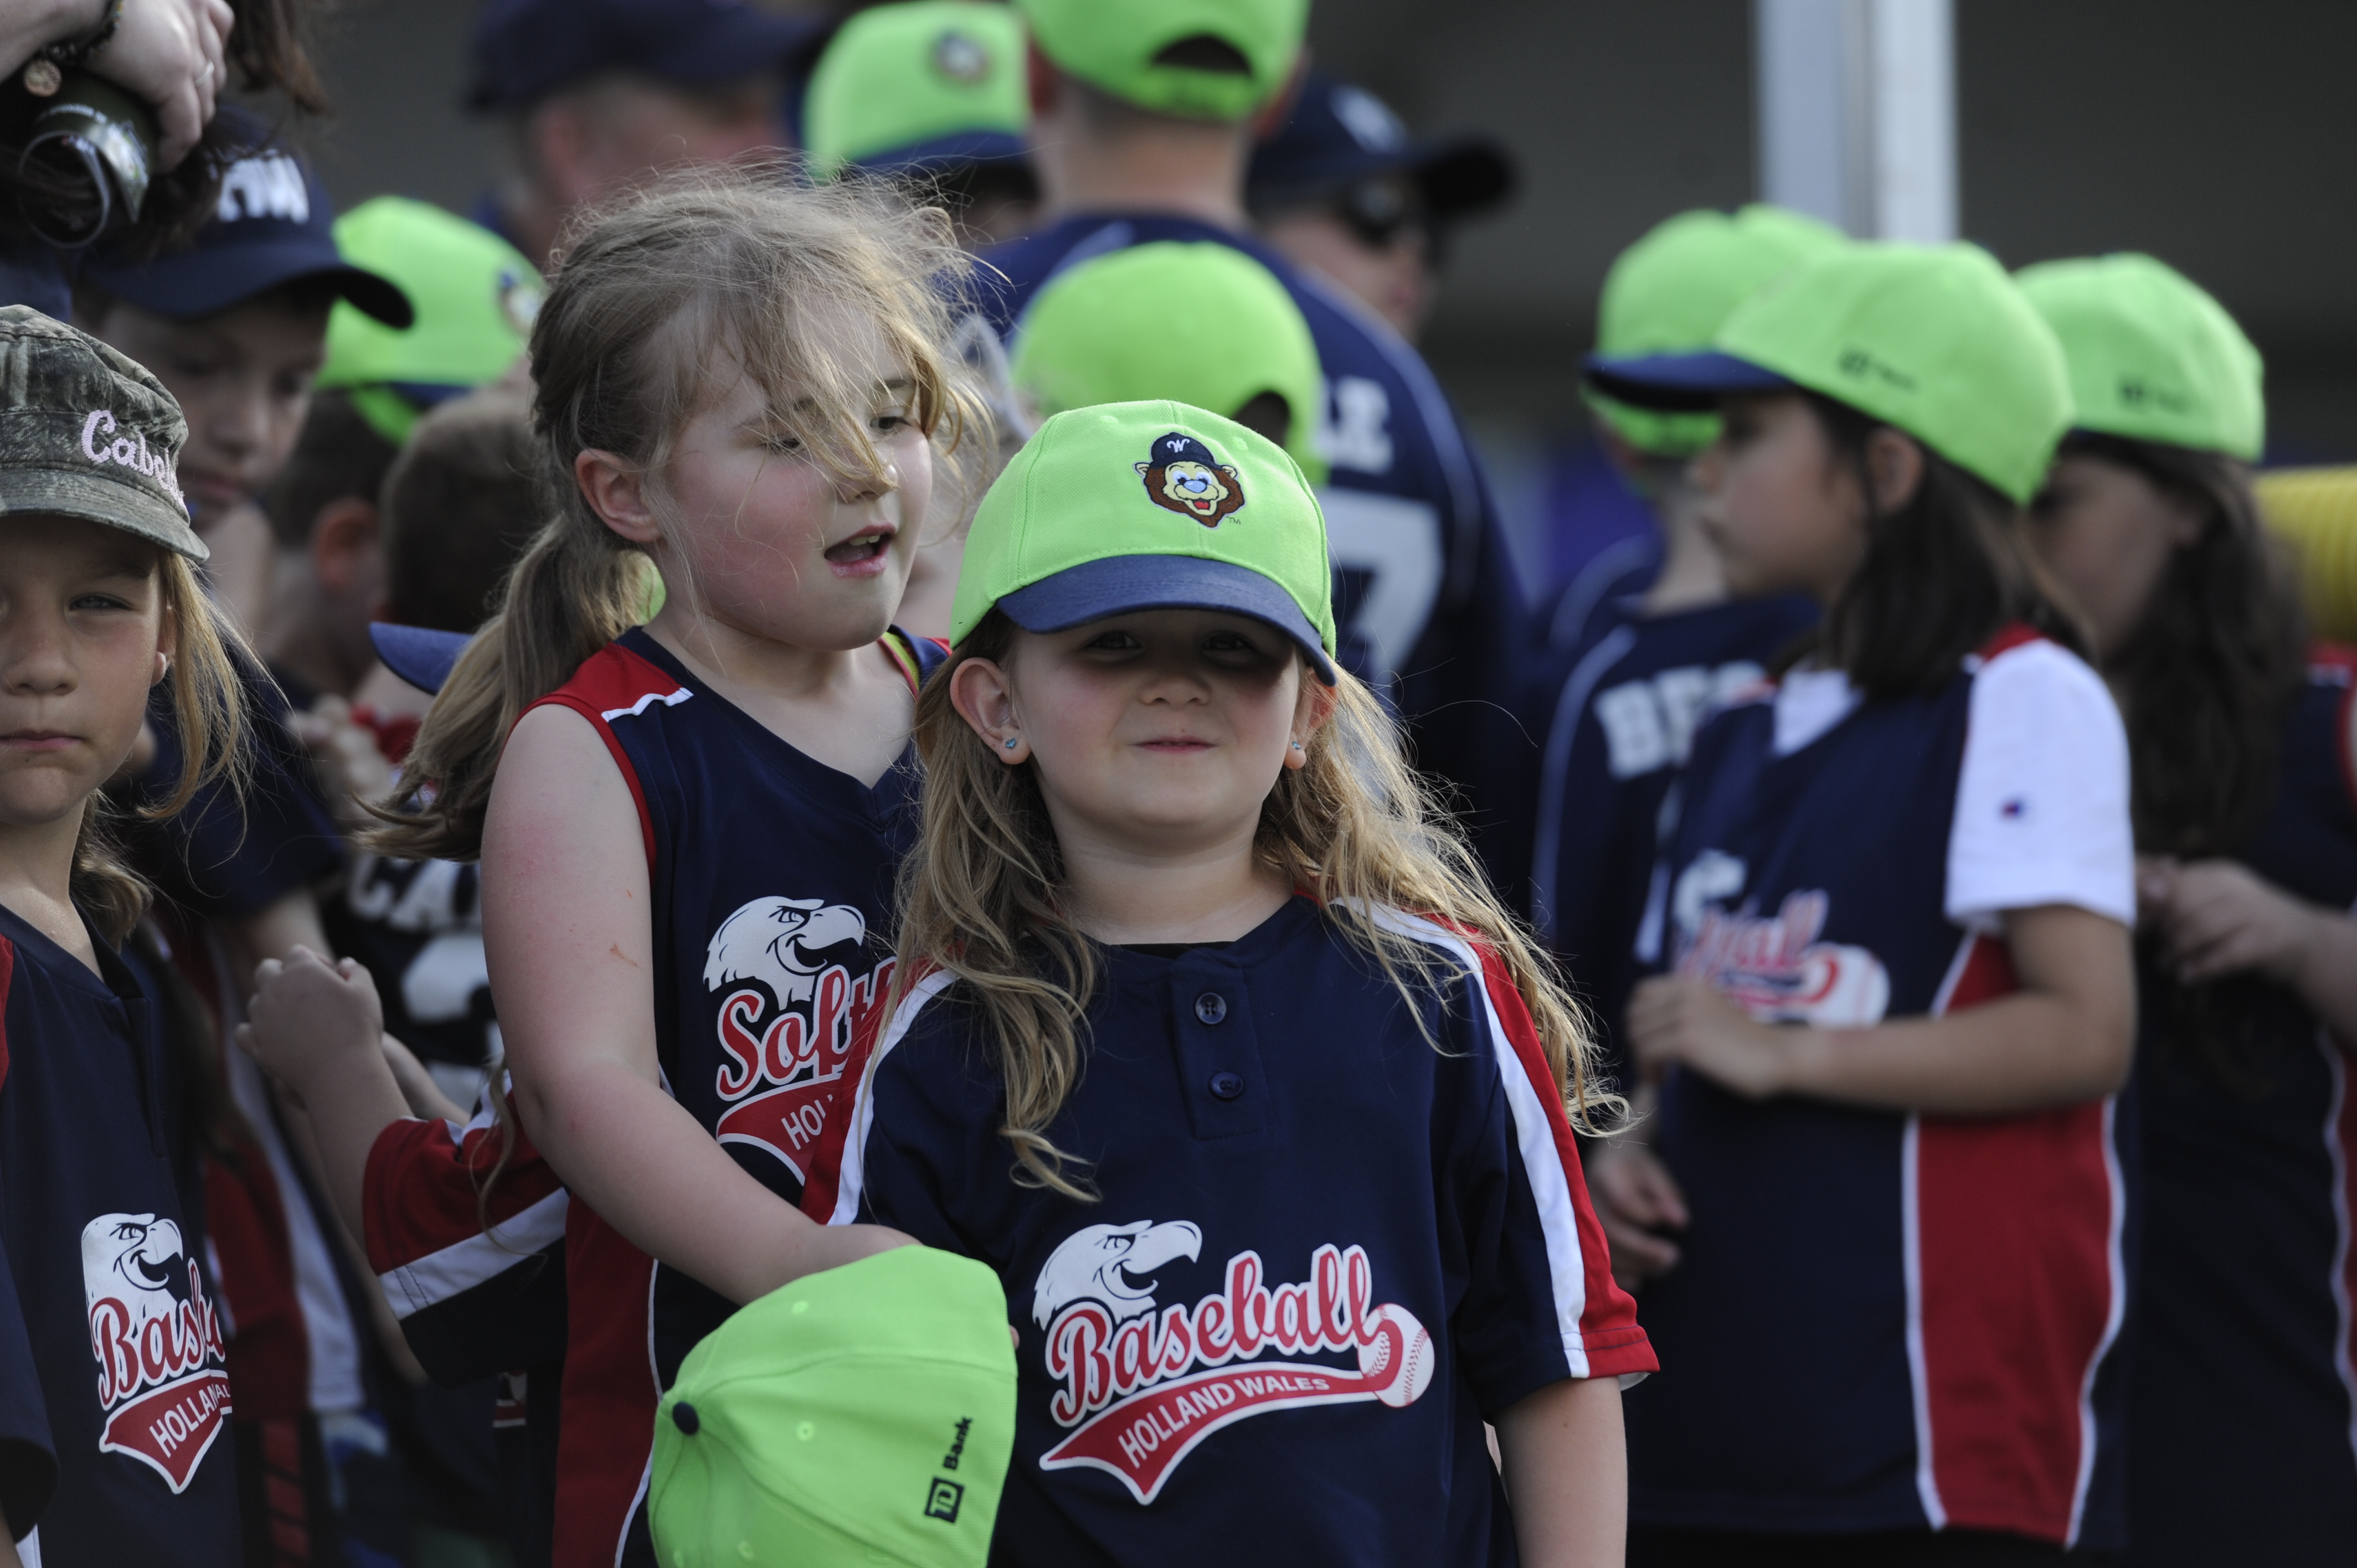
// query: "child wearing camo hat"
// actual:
[[114, 1397]]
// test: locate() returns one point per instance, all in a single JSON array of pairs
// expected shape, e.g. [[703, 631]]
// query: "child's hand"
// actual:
[[1681, 1018], [345, 754], [2218, 917], [307, 1018], [1636, 1199]]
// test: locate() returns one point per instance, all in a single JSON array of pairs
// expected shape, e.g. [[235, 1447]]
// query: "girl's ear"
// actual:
[[1894, 463], [1309, 715], [617, 491], [168, 637], [985, 699]]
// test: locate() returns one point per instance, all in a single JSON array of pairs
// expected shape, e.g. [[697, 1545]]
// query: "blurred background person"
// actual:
[[1344, 191]]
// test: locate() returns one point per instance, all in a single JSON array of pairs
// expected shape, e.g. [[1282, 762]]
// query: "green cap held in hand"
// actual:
[[925, 84], [1191, 321], [1932, 340], [1671, 291], [1119, 46], [860, 1415], [476, 297], [1135, 505], [2152, 356]]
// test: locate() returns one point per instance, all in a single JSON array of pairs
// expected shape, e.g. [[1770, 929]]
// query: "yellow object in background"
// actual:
[[2315, 511]]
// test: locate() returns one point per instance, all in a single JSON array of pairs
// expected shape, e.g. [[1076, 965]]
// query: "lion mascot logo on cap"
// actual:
[[1183, 477]]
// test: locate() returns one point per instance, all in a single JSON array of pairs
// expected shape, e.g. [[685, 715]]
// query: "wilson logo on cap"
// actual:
[[270, 186], [130, 451], [1182, 476]]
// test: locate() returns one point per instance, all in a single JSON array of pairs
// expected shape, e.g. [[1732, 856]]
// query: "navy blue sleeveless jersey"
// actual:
[[1328, 1244], [1425, 601], [115, 1396], [2242, 1420], [772, 877], [1884, 1321], [1618, 712]]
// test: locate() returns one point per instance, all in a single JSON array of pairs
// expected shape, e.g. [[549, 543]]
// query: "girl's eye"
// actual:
[[779, 441], [890, 422], [97, 602], [1114, 642]]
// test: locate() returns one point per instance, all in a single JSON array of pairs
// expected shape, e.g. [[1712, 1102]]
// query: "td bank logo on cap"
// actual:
[[1182, 476]]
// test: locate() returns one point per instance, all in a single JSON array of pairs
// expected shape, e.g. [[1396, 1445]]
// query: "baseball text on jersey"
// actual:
[[162, 1380]]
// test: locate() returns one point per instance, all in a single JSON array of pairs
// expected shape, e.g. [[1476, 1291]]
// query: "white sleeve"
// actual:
[[2042, 801]]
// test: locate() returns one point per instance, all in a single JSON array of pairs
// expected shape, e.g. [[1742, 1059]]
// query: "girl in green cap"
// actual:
[[1891, 916], [2241, 1417], [1211, 1041]]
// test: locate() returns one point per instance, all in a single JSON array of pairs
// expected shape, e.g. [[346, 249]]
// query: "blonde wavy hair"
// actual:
[[982, 897]]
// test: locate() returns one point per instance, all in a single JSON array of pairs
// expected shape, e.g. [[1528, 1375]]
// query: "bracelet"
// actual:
[[45, 72]]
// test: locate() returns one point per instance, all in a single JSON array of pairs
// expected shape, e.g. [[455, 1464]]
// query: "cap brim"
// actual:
[[203, 283], [1678, 383], [61, 492], [419, 655], [941, 155], [1468, 175], [1121, 583]]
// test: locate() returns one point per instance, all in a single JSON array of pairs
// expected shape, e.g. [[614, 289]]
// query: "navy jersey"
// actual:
[[1425, 603], [2242, 1416], [1880, 1320], [116, 1397], [417, 926], [1328, 1243], [1618, 713], [771, 875]]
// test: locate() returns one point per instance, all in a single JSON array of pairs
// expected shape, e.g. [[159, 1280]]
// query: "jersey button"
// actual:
[[1226, 1085], [1211, 1007]]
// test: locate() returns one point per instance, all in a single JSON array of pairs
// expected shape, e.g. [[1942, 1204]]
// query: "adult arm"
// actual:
[[2218, 917], [1567, 1472], [569, 938], [2064, 1036], [29, 26], [173, 53]]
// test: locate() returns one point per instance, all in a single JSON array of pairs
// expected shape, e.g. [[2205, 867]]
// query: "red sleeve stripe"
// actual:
[[850, 1171], [486, 1255], [1596, 1317], [421, 1193], [614, 683]]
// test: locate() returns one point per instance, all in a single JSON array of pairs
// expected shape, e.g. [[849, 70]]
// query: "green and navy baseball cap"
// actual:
[[2152, 356], [87, 433], [1671, 291], [1935, 341], [1192, 321], [859, 1415], [475, 294], [1138, 50], [920, 87], [1138, 506]]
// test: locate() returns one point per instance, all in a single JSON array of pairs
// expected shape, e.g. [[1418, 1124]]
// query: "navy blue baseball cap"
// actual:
[[419, 655], [273, 225], [1340, 136], [526, 50], [1679, 383]]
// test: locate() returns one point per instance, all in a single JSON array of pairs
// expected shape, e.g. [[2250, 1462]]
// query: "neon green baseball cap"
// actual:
[[476, 297], [859, 1415], [1112, 44], [928, 84], [1138, 506], [2152, 356], [1193, 321], [1935, 341], [1671, 291]]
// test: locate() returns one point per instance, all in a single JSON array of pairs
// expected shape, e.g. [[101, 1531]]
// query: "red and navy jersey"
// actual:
[[772, 877], [1335, 1232], [2244, 1405], [1618, 712], [114, 1395], [1880, 1320]]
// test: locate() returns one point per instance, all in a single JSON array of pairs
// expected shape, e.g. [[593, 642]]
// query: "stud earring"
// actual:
[[1296, 746], [1010, 744]]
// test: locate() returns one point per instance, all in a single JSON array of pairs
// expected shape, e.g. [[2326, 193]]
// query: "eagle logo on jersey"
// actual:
[[1773, 966], [1182, 476], [1143, 1389], [161, 1377], [785, 1036]]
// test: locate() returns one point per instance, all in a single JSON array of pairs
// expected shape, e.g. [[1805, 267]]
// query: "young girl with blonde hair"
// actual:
[[1209, 1039]]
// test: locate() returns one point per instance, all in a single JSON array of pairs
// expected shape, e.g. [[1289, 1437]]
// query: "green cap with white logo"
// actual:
[[1935, 341], [1193, 321], [2152, 356], [476, 297], [928, 84], [1671, 291], [860, 1415], [1137, 505], [1118, 47]]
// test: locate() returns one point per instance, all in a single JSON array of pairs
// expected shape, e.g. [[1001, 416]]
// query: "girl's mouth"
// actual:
[[1181, 745], [37, 740], [862, 554]]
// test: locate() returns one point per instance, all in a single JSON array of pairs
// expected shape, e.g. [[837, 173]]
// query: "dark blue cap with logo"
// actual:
[[273, 225], [419, 655], [1340, 134], [526, 50]]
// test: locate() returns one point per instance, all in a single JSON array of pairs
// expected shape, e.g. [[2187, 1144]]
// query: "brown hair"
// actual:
[[1947, 571], [208, 712], [461, 506], [739, 262], [339, 455], [982, 896]]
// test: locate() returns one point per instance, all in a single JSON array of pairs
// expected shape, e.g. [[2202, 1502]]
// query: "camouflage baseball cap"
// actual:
[[86, 432]]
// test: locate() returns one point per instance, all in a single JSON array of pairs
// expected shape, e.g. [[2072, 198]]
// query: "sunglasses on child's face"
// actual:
[[1378, 211]]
